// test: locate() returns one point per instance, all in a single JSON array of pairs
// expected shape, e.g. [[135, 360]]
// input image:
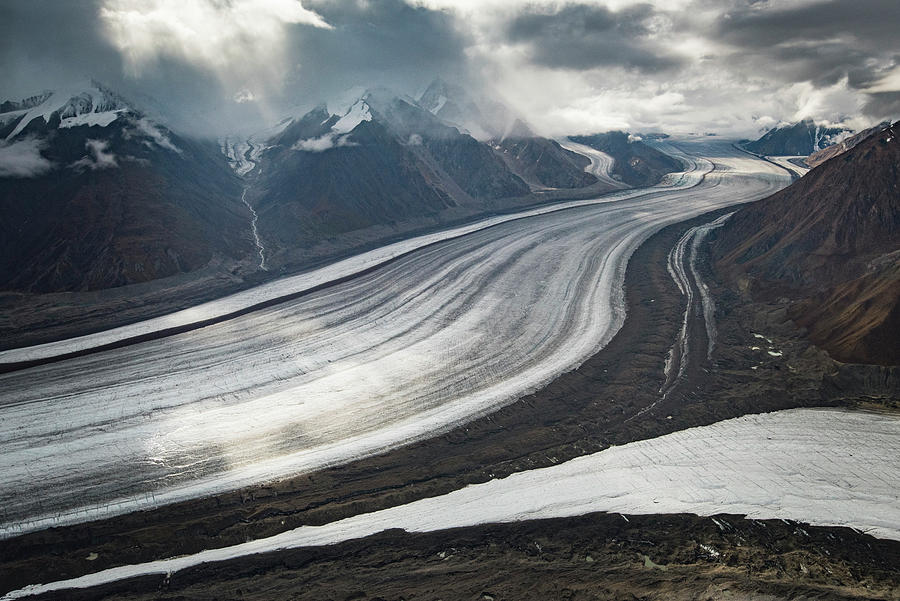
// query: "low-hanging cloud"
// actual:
[[96, 158], [323, 143], [23, 159], [241, 41], [565, 66], [155, 135]]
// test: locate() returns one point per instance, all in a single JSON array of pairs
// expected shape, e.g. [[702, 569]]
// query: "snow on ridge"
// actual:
[[72, 102], [441, 101], [342, 104], [91, 119], [355, 115], [339, 135]]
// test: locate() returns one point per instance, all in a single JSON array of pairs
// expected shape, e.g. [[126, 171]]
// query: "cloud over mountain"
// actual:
[[578, 66]]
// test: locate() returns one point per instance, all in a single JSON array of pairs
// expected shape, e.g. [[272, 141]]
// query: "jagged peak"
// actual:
[[86, 102]]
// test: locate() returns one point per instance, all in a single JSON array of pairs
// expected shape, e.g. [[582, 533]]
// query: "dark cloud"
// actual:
[[883, 105], [47, 44], [581, 37], [871, 22], [821, 42], [385, 43], [45, 41]]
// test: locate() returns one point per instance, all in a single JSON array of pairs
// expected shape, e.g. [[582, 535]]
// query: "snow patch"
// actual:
[[69, 103], [357, 113], [345, 101], [91, 119]]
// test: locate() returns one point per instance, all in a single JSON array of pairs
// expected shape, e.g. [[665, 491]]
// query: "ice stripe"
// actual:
[[436, 338], [819, 466]]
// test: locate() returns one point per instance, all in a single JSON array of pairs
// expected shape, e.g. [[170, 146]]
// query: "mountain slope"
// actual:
[[830, 242], [385, 160], [95, 195], [636, 163], [540, 162], [829, 152], [799, 139]]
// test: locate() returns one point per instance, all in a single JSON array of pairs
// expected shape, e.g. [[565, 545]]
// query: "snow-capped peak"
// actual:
[[356, 114], [343, 102], [83, 104]]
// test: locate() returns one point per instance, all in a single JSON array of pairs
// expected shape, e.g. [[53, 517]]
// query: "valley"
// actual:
[[433, 300], [139, 435], [240, 418]]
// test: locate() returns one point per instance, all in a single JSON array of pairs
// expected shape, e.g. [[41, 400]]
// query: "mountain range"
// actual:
[[386, 160], [797, 139], [97, 195]]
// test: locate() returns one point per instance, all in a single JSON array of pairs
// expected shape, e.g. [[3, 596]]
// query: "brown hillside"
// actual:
[[828, 243]]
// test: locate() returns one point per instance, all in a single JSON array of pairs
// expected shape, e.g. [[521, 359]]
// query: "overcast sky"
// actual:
[[729, 66]]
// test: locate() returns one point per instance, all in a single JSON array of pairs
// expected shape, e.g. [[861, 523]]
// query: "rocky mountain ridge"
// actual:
[[797, 139]]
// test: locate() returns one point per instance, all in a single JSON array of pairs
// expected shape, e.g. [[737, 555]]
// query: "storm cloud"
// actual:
[[584, 37], [822, 42], [387, 43], [218, 66]]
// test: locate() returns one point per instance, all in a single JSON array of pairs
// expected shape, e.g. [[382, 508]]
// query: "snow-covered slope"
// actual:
[[89, 103], [356, 114]]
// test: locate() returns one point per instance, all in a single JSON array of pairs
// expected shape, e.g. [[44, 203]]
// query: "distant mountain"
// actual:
[[830, 242], [798, 139], [384, 160], [452, 104], [636, 163], [829, 152], [540, 162], [96, 195]]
